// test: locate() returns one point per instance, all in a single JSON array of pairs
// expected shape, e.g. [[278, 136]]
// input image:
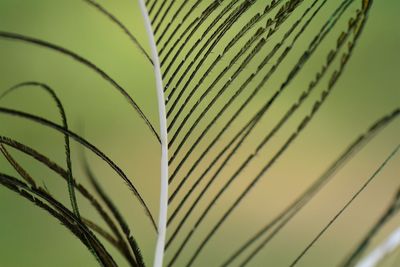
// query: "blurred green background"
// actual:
[[368, 89]]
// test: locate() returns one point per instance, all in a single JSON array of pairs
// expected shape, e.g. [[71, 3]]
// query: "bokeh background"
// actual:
[[368, 90]]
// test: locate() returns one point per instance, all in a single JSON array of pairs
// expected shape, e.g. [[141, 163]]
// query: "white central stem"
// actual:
[[378, 254], [162, 219]]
